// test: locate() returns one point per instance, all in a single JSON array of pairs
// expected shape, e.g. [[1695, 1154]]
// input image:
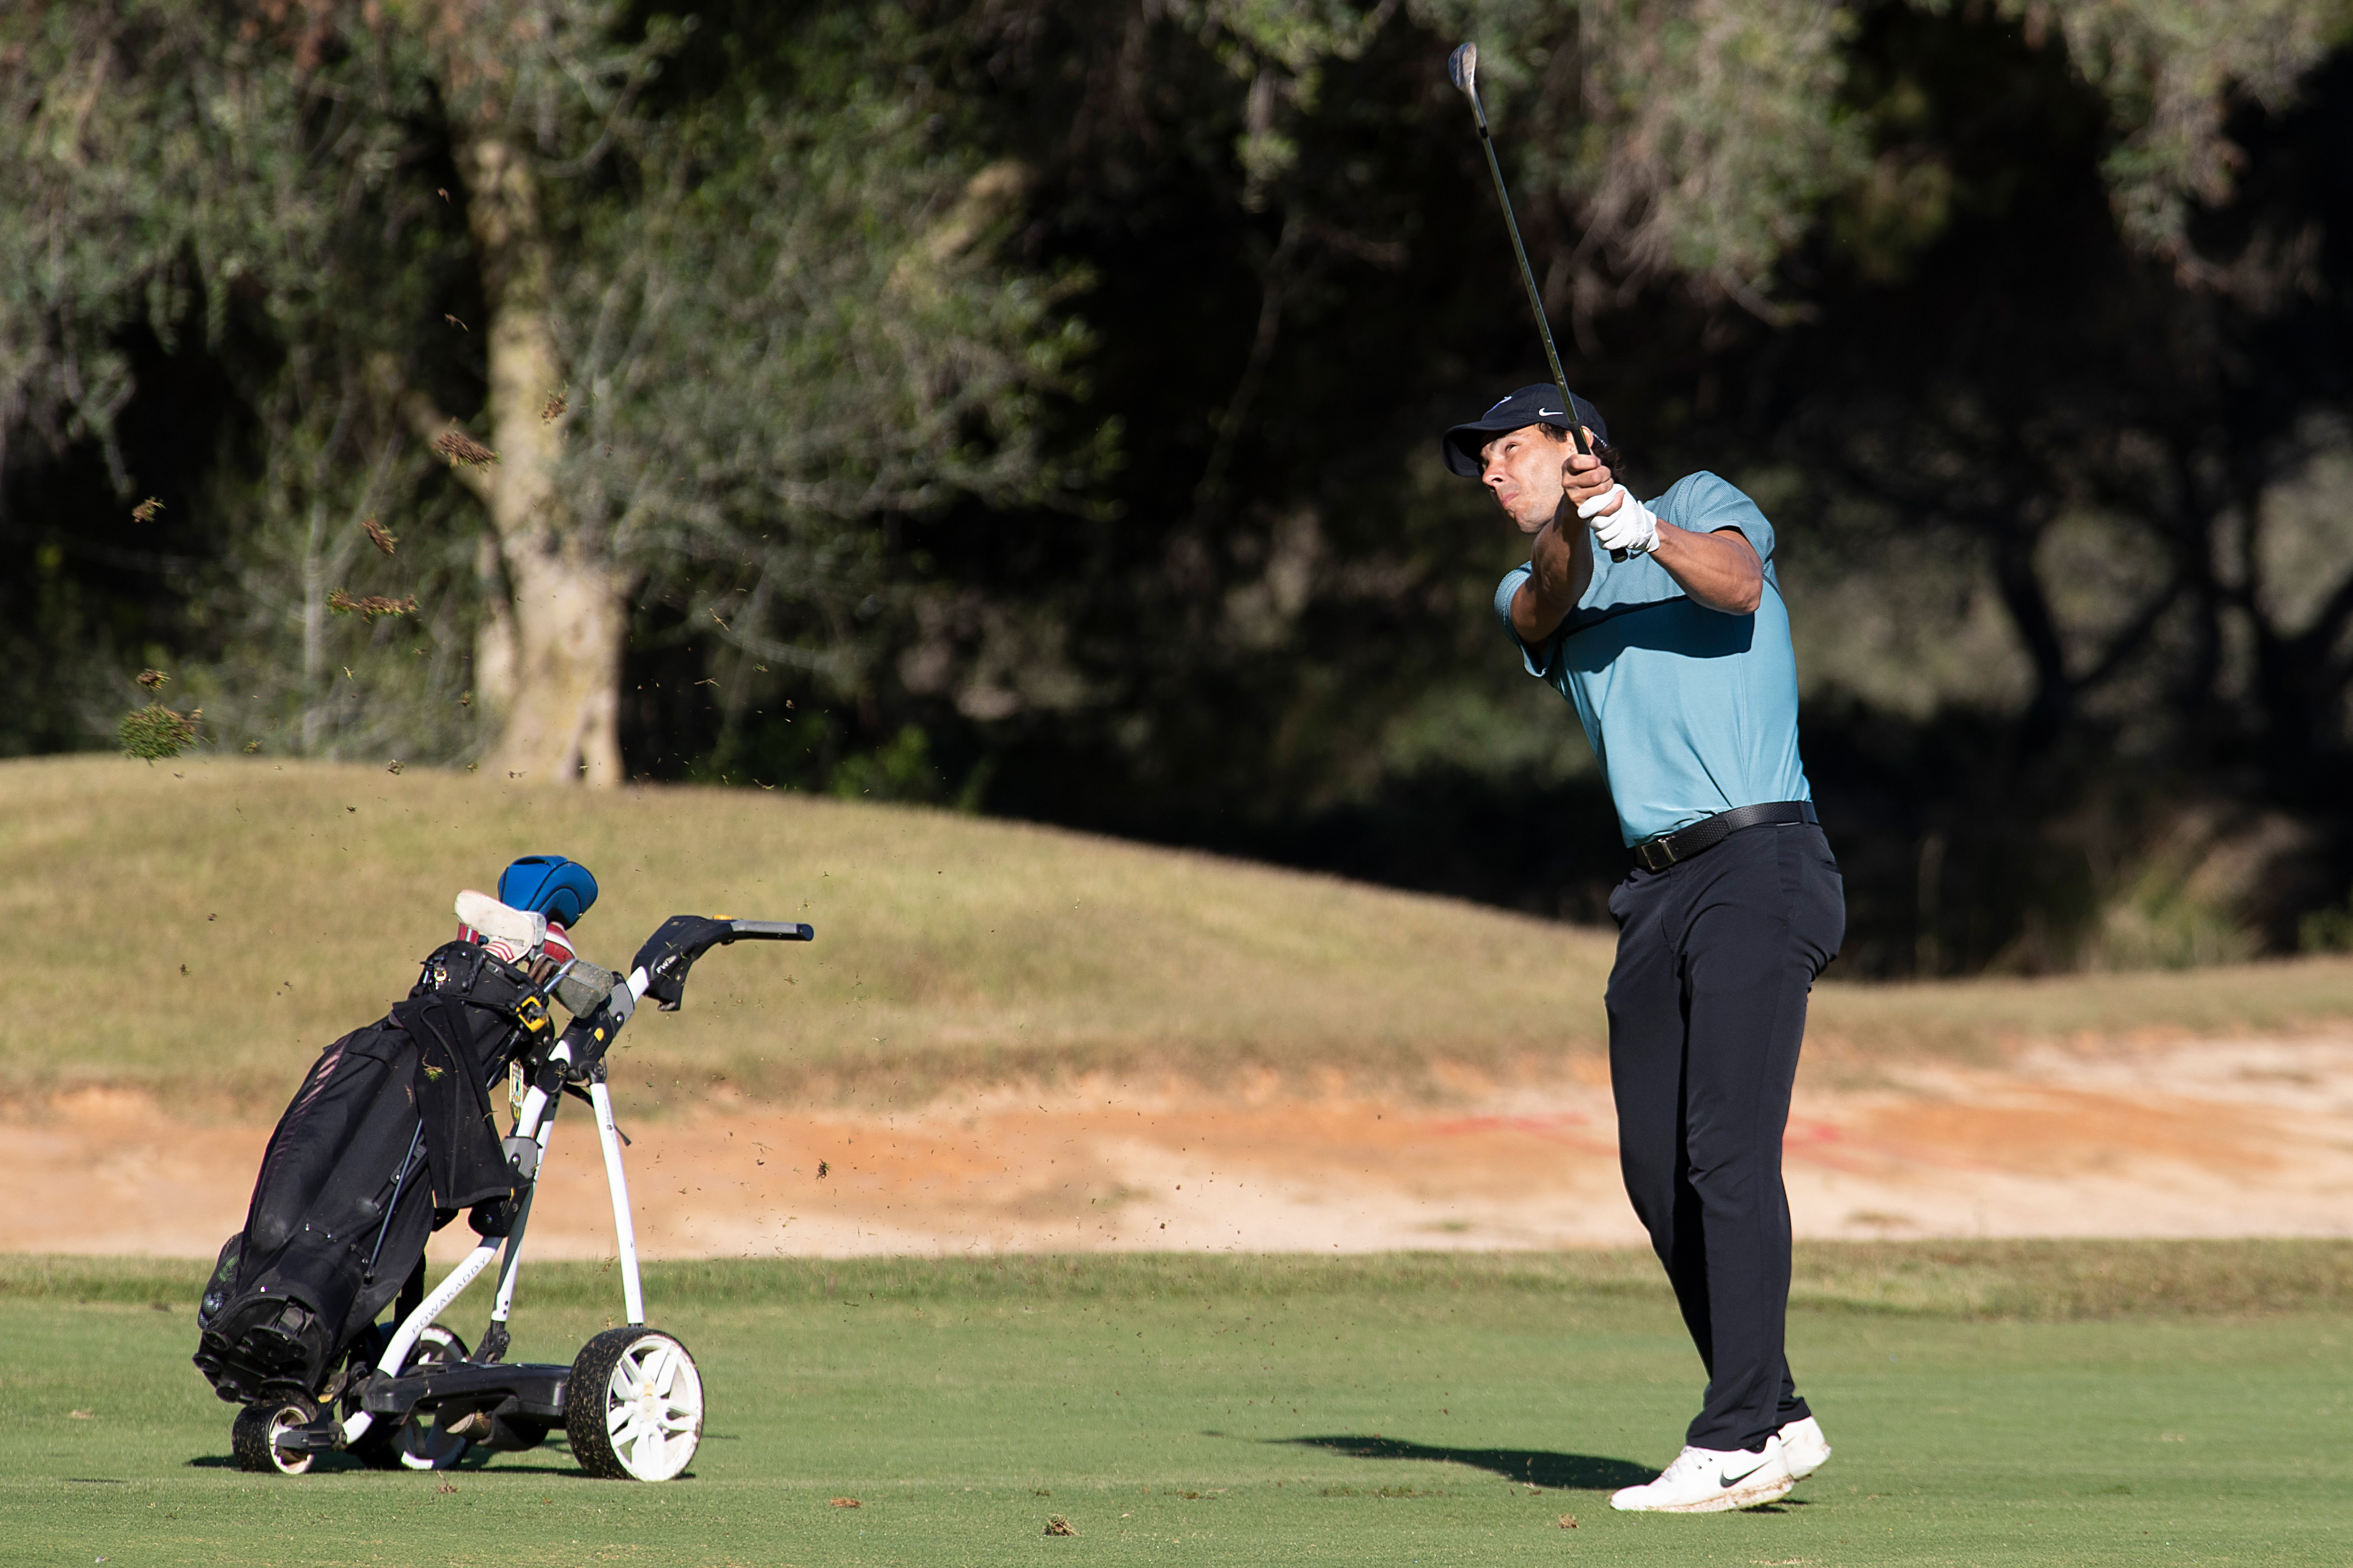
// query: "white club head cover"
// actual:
[[510, 934], [1632, 528]]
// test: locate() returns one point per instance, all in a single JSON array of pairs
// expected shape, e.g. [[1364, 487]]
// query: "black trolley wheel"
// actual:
[[253, 1438], [634, 1405], [380, 1447]]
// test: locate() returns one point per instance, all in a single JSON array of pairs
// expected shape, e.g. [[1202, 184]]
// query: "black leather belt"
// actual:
[[1670, 848]]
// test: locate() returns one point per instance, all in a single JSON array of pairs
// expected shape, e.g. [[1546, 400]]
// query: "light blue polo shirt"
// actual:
[[1691, 710]]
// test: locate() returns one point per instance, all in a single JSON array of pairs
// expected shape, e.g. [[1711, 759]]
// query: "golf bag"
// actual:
[[390, 1135]]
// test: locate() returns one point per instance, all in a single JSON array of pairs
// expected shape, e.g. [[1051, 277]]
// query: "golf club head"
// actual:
[[519, 932], [584, 988], [1463, 65]]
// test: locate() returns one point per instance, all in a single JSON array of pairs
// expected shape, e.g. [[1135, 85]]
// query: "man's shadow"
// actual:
[[1536, 1466]]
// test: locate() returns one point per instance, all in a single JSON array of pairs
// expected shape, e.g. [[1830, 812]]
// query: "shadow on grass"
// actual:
[[1536, 1466], [321, 1464], [552, 1461]]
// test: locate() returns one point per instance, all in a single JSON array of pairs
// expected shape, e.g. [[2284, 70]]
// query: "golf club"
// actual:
[[1463, 67]]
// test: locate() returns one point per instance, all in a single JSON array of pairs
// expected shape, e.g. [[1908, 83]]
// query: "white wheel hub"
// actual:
[[653, 1408], [290, 1461]]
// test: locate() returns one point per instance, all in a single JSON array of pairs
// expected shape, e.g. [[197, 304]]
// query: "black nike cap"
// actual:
[[1538, 404]]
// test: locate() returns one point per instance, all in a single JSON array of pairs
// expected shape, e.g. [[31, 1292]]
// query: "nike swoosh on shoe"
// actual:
[[1728, 1482]]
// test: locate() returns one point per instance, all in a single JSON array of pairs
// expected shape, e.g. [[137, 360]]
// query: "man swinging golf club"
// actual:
[[1678, 661], [1674, 648]]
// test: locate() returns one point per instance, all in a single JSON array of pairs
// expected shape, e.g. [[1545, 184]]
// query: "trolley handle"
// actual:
[[660, 969], [771, 931]]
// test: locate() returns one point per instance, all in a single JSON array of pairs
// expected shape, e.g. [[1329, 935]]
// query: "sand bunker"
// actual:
[[2214, 1138]]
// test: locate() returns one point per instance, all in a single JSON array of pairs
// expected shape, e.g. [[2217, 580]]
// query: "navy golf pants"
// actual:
[[1707, 1005]]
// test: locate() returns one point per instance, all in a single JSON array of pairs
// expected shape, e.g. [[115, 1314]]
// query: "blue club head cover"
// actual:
[[550, 885]]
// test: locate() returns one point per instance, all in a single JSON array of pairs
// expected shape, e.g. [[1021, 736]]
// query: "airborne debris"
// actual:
[[1568, 1521], [1057, 1525], [370, 607], [156, 734], [455, 322], [556, 404], [460, 448], [821, 1169], [464, 700], [146, 509], [152, 679], [380, 536], [393, 766], [252, 747], [846, 1502]]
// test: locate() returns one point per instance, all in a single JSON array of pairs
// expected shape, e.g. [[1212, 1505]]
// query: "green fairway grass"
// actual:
[[201, 928], [2027, 1403]]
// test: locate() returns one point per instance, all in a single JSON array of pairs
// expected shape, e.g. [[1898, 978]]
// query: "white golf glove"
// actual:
[[1632, 528]]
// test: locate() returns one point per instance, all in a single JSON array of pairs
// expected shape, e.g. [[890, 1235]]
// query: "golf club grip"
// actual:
[[773, 931]]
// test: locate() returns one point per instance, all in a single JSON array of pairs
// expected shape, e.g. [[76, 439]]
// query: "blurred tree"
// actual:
[[2125, 443], [664, 323], [1933, 264]]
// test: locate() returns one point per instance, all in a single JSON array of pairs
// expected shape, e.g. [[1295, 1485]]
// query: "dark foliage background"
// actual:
[[2063, 512]]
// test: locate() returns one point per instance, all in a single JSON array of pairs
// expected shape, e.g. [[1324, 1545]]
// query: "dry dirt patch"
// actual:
[[2198, 1139]]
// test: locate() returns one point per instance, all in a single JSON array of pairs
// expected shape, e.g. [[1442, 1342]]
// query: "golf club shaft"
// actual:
[[1465, 68], [1527, 274]]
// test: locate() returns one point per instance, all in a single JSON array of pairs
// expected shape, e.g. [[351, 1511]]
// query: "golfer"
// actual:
[[1678, 661]]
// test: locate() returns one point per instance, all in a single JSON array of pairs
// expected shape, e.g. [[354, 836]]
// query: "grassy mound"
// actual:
[[202, 928]]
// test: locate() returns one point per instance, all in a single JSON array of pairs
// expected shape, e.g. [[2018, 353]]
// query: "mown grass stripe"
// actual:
[[2052, 1281]]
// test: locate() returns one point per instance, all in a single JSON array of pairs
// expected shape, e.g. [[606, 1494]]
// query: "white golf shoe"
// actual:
[[1803, 1447], [1711, 1480]]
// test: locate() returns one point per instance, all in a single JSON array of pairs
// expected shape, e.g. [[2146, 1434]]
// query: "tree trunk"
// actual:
[[550, 670]]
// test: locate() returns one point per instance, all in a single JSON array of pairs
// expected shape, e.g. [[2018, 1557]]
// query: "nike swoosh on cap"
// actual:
[[1548, 411]]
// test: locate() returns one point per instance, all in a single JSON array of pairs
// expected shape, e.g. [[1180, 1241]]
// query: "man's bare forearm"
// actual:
[[1718, 570], [1560, 564]]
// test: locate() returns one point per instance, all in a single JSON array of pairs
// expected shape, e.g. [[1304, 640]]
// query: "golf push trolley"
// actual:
[[374, 1154]]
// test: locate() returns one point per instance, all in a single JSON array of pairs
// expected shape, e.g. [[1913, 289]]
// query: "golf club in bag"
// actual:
[[389, 1136], [1462, 67]]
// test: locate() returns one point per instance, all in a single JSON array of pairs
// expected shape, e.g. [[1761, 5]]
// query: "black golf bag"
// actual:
[[390, 1135]]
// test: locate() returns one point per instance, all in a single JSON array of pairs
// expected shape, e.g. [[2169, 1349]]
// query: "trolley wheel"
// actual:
[[634, 1408], [386, 1445], [424, 1445], [253, 1439]]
